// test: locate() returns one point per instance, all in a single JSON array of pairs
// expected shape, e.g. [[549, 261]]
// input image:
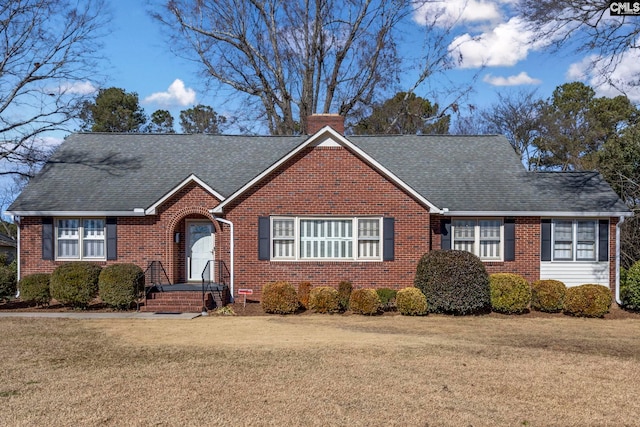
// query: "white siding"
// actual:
[[576, 273]]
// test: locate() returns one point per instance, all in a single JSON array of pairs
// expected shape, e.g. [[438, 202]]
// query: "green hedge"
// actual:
[[75, 283], [119, 285], [454, 282], [548, 295], [8, 284], [510, 293], [587, 301], [35, 288], [630, 287], [344, 294], [411, 302]]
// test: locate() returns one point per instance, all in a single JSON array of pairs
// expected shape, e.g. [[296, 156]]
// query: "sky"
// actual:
[[495, 47]]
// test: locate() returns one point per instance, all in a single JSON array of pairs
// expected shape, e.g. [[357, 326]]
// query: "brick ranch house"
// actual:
[[321, 208]]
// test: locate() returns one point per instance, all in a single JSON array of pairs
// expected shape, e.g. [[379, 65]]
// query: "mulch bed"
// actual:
[[253, 308]]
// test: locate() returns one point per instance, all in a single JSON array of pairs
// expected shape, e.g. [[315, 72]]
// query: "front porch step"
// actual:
[[178, 301]]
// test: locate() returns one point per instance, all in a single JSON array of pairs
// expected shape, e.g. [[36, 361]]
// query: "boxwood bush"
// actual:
[[411, 302], [365, 301], [35, 288], [75, 283], [324, 299], [8, 284], [120, 284], [630, 287], [387, 298], [587, 301], [454, 282], [510, 293], [304, 288], [279, 298], [548, 295], [344, 294]]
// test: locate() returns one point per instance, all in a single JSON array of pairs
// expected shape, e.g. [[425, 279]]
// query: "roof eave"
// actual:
[[134, 212], [591, 214]]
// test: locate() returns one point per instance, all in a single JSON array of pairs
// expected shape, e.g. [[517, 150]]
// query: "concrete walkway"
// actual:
[[89, 315]]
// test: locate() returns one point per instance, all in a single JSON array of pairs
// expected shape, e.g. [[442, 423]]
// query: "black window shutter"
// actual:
[[388, 230], [545, 250], [603, 240], [263, 237], [445, 233], [509, 239], [112, 238], [47, 238]]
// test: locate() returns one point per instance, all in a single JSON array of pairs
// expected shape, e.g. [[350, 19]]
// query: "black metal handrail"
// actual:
[[222, 273], [152, 278]]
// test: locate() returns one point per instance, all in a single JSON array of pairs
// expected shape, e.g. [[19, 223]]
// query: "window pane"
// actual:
[[93, 228], [283, 228], [93, 249], [320, 238], [563, 231], [489, 229], [586, 245], [462, 245], [68, 238], [563, 251], [464, 229]]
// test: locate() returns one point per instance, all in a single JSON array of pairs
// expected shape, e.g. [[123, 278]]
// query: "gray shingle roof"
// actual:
[[121, 172]]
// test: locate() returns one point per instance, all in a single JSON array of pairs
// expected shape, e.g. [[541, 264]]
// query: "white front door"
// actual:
[[200, 249]]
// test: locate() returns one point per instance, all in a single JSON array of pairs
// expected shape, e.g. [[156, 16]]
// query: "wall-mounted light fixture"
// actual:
[[176, 238]]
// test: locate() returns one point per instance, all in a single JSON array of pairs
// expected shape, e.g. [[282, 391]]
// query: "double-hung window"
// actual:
[[78, 238], [294, 238], [481, 237], [575, 240]]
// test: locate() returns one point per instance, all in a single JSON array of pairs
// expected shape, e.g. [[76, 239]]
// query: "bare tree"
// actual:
[[297, 57], [587, 25], [47, 58], [516, 116]]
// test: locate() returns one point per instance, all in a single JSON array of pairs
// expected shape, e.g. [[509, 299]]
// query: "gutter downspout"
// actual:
[[16, 219], [231, 248], [618, 225]]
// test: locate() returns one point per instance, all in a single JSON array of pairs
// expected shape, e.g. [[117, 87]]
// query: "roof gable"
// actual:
[[151, 210], [327, 137]]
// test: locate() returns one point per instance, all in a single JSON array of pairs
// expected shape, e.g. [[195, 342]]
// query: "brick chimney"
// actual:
[[316, 122]]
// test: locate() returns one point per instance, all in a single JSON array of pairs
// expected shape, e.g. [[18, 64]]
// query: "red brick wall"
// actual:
[[332, 182], [140, 239], [527, 259], [318, 121]]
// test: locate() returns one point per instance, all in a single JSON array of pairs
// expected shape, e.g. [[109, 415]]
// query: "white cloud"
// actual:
[[458, 12], [521, 79], [606, 82], [176, 94], [505, 45], [78, 88], [49, 141]]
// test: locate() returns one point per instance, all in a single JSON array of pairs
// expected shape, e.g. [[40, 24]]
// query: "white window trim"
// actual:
[[476, 244], [81, 256], [354, 239], [574, 240]]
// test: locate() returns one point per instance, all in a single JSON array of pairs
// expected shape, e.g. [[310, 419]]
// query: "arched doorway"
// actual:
[[200, 248]]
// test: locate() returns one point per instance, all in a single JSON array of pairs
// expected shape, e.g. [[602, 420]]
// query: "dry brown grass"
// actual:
[[320, 370]]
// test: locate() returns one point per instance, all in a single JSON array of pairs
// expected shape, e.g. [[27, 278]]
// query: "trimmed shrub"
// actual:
[[630, 287], [510, 293], [587, 301], [411, 302], [454, 282], [75, 283], [365, 301], [387, 298], [279, 298], [304, 288], [324, 299], [8, 284], [120, 284], [548, 295], [35, 288], [344, 294]]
